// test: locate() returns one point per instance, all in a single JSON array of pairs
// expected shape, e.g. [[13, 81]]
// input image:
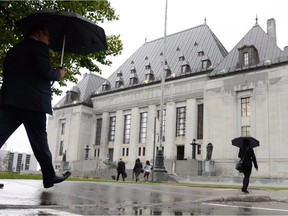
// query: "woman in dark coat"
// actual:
[[138, 168], [247, 153]]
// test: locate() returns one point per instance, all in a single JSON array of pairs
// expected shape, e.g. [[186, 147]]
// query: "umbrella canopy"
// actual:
[[67, 30], [238, 142]]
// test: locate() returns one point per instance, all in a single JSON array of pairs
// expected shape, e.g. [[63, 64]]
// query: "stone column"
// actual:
[[104, 135], [152, 113], [134, 134], [191, 126], [170, 130], [119, 130]]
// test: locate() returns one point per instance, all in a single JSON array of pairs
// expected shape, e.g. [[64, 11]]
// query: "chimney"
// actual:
[[271, 29]]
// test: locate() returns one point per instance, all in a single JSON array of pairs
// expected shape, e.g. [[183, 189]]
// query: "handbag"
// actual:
[[239, 164], [124, 175]]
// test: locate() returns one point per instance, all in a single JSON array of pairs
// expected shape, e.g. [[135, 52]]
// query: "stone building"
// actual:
[[17, 162], [210, 95]]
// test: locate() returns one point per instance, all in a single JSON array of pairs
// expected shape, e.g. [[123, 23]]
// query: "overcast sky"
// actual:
[[141, 20]]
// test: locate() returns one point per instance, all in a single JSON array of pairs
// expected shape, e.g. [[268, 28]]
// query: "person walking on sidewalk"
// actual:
[[121, 169], [147, 169], [26, 94], [138, 169], [247, 153]]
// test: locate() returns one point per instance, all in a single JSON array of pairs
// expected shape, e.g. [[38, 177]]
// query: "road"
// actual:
[[28, 197]]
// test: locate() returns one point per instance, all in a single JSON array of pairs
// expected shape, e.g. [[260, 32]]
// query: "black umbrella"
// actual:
[[238, 142], [68, 31]]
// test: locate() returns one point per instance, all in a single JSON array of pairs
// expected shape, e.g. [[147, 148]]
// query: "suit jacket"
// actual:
[[249, 157], [121, 167], [27, 77]]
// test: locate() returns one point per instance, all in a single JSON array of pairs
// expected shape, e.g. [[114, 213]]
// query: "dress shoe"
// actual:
[[1, 186], [245, 191], [56, 179]]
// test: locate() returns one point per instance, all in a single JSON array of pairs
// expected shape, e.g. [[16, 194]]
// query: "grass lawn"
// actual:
[[8, 175]]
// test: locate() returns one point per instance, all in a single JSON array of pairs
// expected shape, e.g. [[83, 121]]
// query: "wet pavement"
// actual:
[[28, 197]]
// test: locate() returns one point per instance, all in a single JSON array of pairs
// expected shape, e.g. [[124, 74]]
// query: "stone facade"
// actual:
[[268, 90], [214, 96]]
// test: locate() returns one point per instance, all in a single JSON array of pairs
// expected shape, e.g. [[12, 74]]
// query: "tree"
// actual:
[[96, 11]]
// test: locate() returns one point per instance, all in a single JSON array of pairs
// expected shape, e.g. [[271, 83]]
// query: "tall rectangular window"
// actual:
[[27, 162], [127, 128], [180, 121], [143, 127], [246, 58], [141, 151], [96, 152], [163, 123], [200, 121], [63, 128], [112, 127], [245, 131], [19, 163], [61, 148], [10, 162], [245, 106], [98, 131]]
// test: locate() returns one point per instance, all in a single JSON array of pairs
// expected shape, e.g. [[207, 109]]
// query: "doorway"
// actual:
[[180, 152]]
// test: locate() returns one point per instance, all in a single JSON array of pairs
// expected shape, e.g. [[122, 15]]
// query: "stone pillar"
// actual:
[[118, 134], [152, 113], [134, 134], [191, 126], [170, 130], [104, 135]]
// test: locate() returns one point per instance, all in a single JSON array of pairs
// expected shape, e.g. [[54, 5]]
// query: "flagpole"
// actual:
[[163, 80], [159, 166]]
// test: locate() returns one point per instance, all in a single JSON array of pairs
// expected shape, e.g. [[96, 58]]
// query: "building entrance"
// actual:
[[180, 152]]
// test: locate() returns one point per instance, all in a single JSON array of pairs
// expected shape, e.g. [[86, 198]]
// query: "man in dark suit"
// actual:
[[121, 169], [26, 97]]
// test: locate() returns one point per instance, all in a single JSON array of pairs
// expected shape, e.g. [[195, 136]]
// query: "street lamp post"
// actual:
[[86, 152]]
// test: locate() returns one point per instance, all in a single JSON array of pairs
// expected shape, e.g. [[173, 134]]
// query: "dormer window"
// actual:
[[147, 66], [149, 75], [73, 95], [133, 70], [133, 77], [133, 81], [119, 81], [248, 56], [205, 64], [168, 71], [201, 53], [185, 67], [119, 74], [149, 78], [181, 58], [106, 86]]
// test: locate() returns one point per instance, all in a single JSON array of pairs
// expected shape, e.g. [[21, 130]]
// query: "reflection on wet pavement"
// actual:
[[112, 198]]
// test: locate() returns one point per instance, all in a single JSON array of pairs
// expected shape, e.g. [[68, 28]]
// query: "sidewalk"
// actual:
[[28, 197], [258, 182]]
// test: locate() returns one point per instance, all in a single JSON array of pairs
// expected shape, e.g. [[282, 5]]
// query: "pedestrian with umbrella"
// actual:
[[247, 155], [25, 96]]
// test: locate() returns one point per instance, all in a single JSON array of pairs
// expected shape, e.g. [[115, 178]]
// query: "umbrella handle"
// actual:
[[63, 49]]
